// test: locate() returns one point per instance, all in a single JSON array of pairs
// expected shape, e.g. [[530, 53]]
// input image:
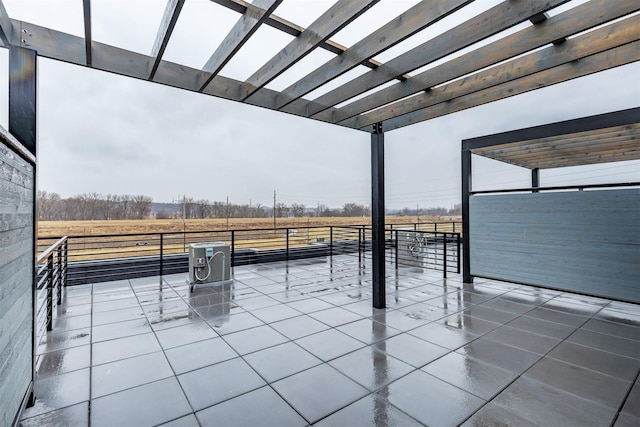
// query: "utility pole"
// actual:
[[249, 208], [274, 209]]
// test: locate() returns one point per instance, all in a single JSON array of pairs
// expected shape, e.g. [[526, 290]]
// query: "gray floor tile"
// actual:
[[280, 361], [122, 348], [329, 344], [612, 364], [610, 343], [318, 392], [371, 410], [423, 311], [492, 415], [612, 328], [310, 305], [524, 340], [275, 313], [69, 323], [368, 331], [549, 406], [588, 384], [234, 323], [75, 415], [371, 368], [482, 379], [335, 316], [557, 316], [61, 340], [267, 409], [298, 327], [632, 404], [490, 314], [403, 320], [120, 330], [626, 420], [503, 356], [542, 327], [188, 421], [410, 349], [254, 339], [199, 354], [443, 335], [216, 383], [120, 315], [431, 400], [148, 404], [127, 373], [186, 334]]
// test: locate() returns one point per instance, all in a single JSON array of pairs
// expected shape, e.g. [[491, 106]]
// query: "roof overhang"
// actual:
[[483, 59]]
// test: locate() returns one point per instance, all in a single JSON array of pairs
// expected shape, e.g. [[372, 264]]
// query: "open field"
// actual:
[[95, 228]]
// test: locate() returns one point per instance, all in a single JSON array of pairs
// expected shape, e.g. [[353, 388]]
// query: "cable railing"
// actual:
[[51, 273], [99, 258], [426, 249]]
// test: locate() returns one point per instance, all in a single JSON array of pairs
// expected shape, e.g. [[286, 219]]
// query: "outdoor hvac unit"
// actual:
[[209, 263], [412, 248]]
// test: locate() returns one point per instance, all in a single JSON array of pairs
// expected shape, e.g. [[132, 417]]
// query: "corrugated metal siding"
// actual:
[[17, 180], [582, 241]]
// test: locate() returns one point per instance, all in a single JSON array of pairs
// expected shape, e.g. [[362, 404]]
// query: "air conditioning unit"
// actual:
[[209, 263]]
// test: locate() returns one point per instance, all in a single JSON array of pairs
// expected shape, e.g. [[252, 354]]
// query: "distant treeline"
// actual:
[[95, 206]]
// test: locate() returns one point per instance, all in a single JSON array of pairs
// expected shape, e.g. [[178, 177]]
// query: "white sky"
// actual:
[[104, 133]]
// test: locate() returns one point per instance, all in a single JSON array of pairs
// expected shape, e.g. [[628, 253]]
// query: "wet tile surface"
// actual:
[[298, 343]]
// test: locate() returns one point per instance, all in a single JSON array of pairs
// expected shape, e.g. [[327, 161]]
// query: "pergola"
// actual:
[[484, 59]]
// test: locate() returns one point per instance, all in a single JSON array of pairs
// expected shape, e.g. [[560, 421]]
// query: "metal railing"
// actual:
[[51, 273], [99, 258], [427, 249]]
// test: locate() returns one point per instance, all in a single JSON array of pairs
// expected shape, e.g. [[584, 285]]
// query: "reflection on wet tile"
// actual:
[[216, 383], [237, 322], [76, 415], [557, 316], [61, 361], [371, 410], [443, 335], [254, 339], [412, 350], [120, 330], [336, 316], [148, 404], [549, 406], [60, 340], [604, 389], [310, 305], [68, 323], [317, 392], [611, 328], [275, 313], [430, 400], [542, 327], [371, 368], [267, 409], [534, 343], [59, 391], [492, 415], [600, 361], [280, 361], [329, 344], [199, 354], [482, 379], [402, 320], [117, 315], [368, 331], [123, 374]]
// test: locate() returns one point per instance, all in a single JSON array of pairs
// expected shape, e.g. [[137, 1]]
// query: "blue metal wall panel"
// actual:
[[581, 241]]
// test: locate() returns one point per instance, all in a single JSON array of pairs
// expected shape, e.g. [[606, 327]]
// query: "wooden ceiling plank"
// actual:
[[330, 22], [167, 24], [417, 18], [588, 44], [573, 21], [616, 57], [479, 27], [255, 15]]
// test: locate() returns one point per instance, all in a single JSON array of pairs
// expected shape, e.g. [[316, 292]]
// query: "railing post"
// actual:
[[454, 226], [331, 240], [396, 250], [66, 261], [50, 293], [233, 247], [444, 252], [161, 255], [435, 227], [59, 274], [287, 231], [458, 251], [359, 247]]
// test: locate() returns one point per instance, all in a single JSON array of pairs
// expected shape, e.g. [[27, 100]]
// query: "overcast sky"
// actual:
[[104, 133]]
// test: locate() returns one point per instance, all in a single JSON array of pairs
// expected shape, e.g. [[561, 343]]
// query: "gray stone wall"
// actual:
[[582, 241], [17, 183]]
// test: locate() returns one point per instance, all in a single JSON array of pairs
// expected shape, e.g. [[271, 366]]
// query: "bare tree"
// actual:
[[298, 210]]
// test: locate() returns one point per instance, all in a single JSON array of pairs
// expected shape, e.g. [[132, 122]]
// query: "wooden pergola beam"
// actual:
[[86, 13], [167, 24]]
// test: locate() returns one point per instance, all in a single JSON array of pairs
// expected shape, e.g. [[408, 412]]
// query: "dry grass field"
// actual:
[[96, 228]]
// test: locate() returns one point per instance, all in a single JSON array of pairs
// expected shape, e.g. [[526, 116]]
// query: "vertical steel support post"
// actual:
[[535, 179], [161, 255], [233, 248], [23, 87], [287, 231], [396, 249], [457, 252], [444, 253], [331, 240], [466, 190], [377, 216], [59, 275]]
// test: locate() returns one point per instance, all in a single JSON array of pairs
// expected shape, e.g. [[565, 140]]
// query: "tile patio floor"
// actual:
[[298, 343]]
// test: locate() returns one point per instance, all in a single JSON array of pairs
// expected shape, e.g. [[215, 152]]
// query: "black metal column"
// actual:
[[535, 179], [22, 125], [377, 215], [466, 189]]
